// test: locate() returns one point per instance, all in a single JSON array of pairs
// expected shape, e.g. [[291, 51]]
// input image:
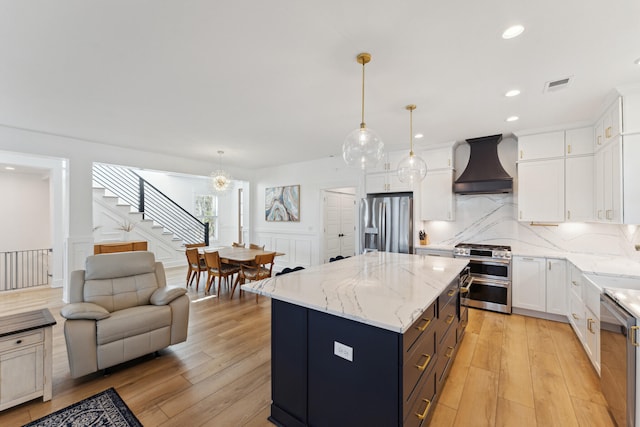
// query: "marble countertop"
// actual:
[[629, 299], [382, 289]]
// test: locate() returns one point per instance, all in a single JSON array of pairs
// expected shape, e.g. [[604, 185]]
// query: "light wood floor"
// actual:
[[510, 370]]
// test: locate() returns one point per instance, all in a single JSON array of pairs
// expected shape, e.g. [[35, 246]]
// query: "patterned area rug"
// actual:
[[104, 409]]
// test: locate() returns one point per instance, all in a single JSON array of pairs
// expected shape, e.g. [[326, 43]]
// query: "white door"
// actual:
[[339, 225]]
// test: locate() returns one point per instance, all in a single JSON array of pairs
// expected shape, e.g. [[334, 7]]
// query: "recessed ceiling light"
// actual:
[[512, 92], [637, 61], [10, 168], [418, 136], [512, 32], [512, 118]]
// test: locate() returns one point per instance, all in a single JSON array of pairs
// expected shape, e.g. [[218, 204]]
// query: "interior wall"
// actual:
[[25, 217], [299, 241]]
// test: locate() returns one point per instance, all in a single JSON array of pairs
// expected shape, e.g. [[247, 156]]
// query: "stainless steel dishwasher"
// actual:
[[618, 342]]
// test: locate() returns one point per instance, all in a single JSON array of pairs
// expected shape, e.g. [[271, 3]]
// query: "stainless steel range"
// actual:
[[490, 270]]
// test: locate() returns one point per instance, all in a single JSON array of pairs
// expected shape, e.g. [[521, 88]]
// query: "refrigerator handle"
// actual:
[[383, 227], [363, 226]]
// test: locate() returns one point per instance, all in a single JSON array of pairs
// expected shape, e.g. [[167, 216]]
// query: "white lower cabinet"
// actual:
[[584, 313], [556, 275], [539, 284], [529, 283]]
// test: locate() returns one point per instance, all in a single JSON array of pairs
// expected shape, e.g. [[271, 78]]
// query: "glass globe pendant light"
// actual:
[[363, 147], [411, 169], [220, 180]]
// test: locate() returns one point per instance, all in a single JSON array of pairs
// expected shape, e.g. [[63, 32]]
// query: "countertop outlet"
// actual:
[[637, 247]]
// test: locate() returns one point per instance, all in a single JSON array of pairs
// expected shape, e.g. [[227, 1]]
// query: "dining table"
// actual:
[[236, 255]]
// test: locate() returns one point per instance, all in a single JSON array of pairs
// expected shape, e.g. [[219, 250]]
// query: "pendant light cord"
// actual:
[[362, 125], [411, 132]]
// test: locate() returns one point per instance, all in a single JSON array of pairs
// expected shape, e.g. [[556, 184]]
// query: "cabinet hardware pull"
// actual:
[[589, 323], [599, 214], [520, 153], [449, 352], [609, 213], [426, 362], [527, 259], [449, 162], [520, 215], [451, 293], [575, 316], [634, 341], [19, 342], [549, 265], [599, 139], [422, 328], [607, 132], [569, 149], [574, 283], [450, 319], [422, 416], [568, 214]]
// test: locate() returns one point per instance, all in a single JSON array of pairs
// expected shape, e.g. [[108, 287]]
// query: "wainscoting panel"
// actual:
[[299, 249]]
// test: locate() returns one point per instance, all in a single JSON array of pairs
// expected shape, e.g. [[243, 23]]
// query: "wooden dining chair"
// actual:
[[216, 268], [261, 269], [196, 265], [254, 246], [237, 245]]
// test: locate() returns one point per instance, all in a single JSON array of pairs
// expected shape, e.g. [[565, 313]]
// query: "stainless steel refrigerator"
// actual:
[[386, 223]]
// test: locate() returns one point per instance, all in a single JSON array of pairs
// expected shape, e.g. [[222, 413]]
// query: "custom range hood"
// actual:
[[484, 172]]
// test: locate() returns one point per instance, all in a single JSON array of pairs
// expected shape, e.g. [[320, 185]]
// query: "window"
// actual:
[[207, 211], [240, 214]]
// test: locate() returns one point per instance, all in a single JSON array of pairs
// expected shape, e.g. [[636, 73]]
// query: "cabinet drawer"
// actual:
[[419, 361], [448, 295], [18, 341], [446, 319], [421, 407], [446, 351], [423, 324]]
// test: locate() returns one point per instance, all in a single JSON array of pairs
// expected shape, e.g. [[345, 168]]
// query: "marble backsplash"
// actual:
[[491, 219]]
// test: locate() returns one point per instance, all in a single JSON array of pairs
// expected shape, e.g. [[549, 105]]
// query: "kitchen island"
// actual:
[[367, 340]]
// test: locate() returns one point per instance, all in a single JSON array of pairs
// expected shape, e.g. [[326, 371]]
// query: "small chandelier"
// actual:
[[411, 169], [220, 180], [362, 147]]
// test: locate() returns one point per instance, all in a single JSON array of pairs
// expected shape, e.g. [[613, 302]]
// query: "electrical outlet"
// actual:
[[637, 247], [342, 350]]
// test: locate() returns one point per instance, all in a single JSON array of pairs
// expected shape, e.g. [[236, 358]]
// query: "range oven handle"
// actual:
[[469, 282], [489, 261]]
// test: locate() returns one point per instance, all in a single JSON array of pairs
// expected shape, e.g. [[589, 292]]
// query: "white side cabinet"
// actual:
[[25, 357], [579, 188], [529, 283]]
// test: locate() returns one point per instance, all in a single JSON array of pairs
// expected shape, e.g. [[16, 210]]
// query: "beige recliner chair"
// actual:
[[120, 308]]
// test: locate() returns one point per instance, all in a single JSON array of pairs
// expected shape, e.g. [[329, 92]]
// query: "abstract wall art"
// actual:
[[282, 203]]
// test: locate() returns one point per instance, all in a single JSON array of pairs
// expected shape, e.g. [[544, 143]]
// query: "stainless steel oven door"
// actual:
[[494, 295], [494, 269]]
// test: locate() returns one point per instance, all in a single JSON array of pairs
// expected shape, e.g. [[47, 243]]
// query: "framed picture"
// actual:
[[282, 203]]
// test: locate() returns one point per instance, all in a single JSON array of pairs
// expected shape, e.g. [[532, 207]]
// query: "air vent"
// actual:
[[555, 85]]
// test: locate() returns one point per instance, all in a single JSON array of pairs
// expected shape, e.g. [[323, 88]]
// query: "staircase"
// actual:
[[123, 200]]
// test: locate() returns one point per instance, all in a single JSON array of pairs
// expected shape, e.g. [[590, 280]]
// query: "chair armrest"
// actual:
[[164, 295], [84, 310]]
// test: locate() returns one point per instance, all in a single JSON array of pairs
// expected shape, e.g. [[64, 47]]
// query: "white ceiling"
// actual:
[[274, 82]]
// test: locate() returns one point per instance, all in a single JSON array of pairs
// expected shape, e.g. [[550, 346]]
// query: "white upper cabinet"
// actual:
[[541, 190], [579, 188], [383, 178], [579, 141], [437, 197], [541, 146], [437, 202]]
